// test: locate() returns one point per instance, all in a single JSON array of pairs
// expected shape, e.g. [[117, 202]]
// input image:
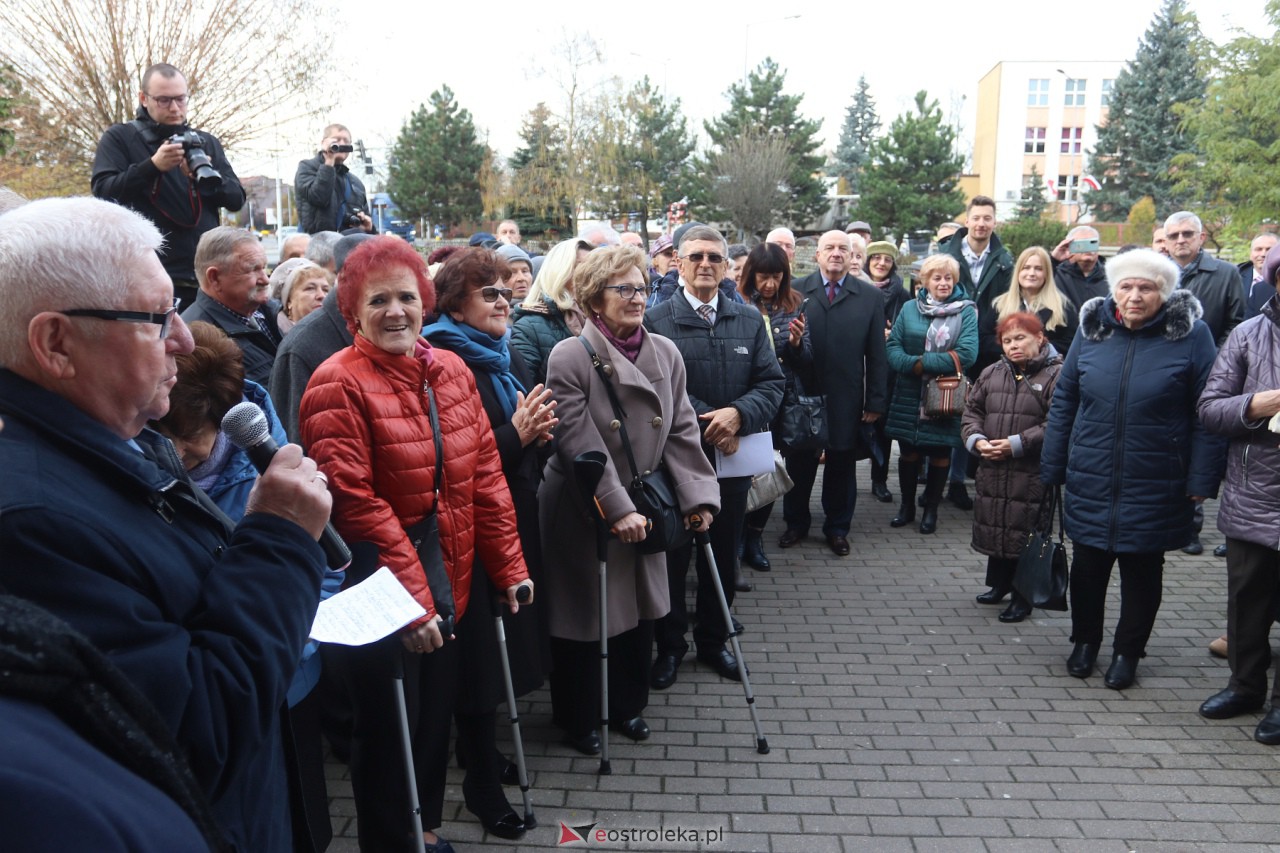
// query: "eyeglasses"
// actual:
[[629, 291], [165, 101], [711, 257], [491, 294], [164, 321], [1181, 235]]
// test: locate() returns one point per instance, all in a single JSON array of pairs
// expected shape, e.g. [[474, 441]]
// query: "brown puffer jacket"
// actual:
[[1006, 403], [364, 420]]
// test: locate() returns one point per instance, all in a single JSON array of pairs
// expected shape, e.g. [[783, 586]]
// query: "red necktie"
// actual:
[[831, 292]]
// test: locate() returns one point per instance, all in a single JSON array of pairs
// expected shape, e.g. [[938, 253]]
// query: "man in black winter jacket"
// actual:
[[1080, 276], [330, 196], [137, 166], [735, 385]]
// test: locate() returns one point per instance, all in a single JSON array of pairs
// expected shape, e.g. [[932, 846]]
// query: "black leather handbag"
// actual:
[[802, 424], [653, 493], [1041, 576]]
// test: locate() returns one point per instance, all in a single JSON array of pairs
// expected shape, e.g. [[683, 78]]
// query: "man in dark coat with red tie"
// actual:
[[845, 316]]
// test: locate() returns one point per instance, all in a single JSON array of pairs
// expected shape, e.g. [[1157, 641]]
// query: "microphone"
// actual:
[[246, 427]]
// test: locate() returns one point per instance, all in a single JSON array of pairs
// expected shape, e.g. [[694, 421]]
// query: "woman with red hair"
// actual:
[[398, 428], [1003, 425]]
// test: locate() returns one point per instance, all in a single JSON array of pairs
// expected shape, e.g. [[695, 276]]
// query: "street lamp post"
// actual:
[[1071, 151]]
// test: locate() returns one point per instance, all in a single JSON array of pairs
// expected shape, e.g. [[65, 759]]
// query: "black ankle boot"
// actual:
[[934, 485], [907, 473], [753, 550], [1082, 659], [995, 595], [1019, 608]]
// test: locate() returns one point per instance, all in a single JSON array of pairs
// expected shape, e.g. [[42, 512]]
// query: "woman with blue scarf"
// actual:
[[473, 303], [940, 321]]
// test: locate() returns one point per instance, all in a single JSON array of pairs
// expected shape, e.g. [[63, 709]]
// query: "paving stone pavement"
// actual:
[[901, 715]]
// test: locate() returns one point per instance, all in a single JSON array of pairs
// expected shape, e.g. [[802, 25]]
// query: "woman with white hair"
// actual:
[[1124, 438]]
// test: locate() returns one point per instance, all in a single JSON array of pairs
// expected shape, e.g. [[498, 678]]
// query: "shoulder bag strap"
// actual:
[[955, 358], [1057, 498], [613, 401], [433, 415]]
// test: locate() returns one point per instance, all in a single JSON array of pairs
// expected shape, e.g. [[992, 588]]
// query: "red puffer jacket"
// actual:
[[364, 421]]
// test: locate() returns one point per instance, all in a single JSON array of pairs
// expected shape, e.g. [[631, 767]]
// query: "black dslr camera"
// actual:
[[338, 148], [207, 178], [353, 220]]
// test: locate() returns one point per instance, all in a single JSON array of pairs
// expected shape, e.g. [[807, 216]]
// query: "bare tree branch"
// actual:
[[246, 62], [748, 180]]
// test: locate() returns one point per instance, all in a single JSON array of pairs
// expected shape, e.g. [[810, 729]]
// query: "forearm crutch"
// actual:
[[522, 596], [703, 539], [588, 468]]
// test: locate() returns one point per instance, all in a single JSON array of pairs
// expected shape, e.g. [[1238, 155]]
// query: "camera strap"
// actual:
[[152, 137]]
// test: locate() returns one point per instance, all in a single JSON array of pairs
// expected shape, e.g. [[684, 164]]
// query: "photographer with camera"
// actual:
[[174, 176], [330, 196]]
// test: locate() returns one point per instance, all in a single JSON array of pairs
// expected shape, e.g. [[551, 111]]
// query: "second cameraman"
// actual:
[[330, 196], [140, 165]]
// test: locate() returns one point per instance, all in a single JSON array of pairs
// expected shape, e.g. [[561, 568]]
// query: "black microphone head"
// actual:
[[246, 425]]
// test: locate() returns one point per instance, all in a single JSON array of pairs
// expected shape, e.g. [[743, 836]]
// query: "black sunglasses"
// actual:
[[491, 293], [711, 257]]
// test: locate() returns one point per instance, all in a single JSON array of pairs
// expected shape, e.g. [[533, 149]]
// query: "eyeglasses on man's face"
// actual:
[[163, 320], [709, 257], [166, 101]]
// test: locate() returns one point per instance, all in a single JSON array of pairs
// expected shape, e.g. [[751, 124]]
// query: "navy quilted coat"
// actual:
[[1123, 433]]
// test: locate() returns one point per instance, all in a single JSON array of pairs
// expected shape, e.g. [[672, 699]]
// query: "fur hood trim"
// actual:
[[1178, 317]]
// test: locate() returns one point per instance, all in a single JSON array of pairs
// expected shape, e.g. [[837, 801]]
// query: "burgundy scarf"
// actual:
[[629, 346]]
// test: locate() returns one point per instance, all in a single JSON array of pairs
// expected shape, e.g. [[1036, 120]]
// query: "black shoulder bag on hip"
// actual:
[[652, 492]]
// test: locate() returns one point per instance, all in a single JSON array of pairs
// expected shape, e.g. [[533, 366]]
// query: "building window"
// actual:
[[1071, 139], [1035, 141], [1038, 92], [1106, 92], [1068, 180], [1075, 93]]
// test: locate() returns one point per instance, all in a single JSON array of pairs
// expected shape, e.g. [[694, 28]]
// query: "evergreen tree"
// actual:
[[435, 163], [1143, 133], [860, 125], [911, 181], [1032, 205], [540, 200], [762, 106], [640, 153], [1233, 180]]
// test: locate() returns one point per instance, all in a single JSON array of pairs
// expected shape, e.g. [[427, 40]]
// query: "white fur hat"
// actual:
[[1143, 264]]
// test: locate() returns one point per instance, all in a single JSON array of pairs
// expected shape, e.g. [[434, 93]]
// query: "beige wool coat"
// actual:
[[662, 426]]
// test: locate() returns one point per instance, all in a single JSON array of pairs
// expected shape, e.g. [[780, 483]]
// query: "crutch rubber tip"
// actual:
[[530, 822], [606, 769], [762, 746]]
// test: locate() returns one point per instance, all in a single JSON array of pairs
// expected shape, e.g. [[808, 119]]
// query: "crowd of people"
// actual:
[[446, 404]]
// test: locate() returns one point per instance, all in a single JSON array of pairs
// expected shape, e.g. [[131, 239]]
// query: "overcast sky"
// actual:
[[497, 56]]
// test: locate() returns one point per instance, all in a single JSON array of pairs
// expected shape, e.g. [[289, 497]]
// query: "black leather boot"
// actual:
[[753, 550], [1019, 608], [907, 473], [933, 487]]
